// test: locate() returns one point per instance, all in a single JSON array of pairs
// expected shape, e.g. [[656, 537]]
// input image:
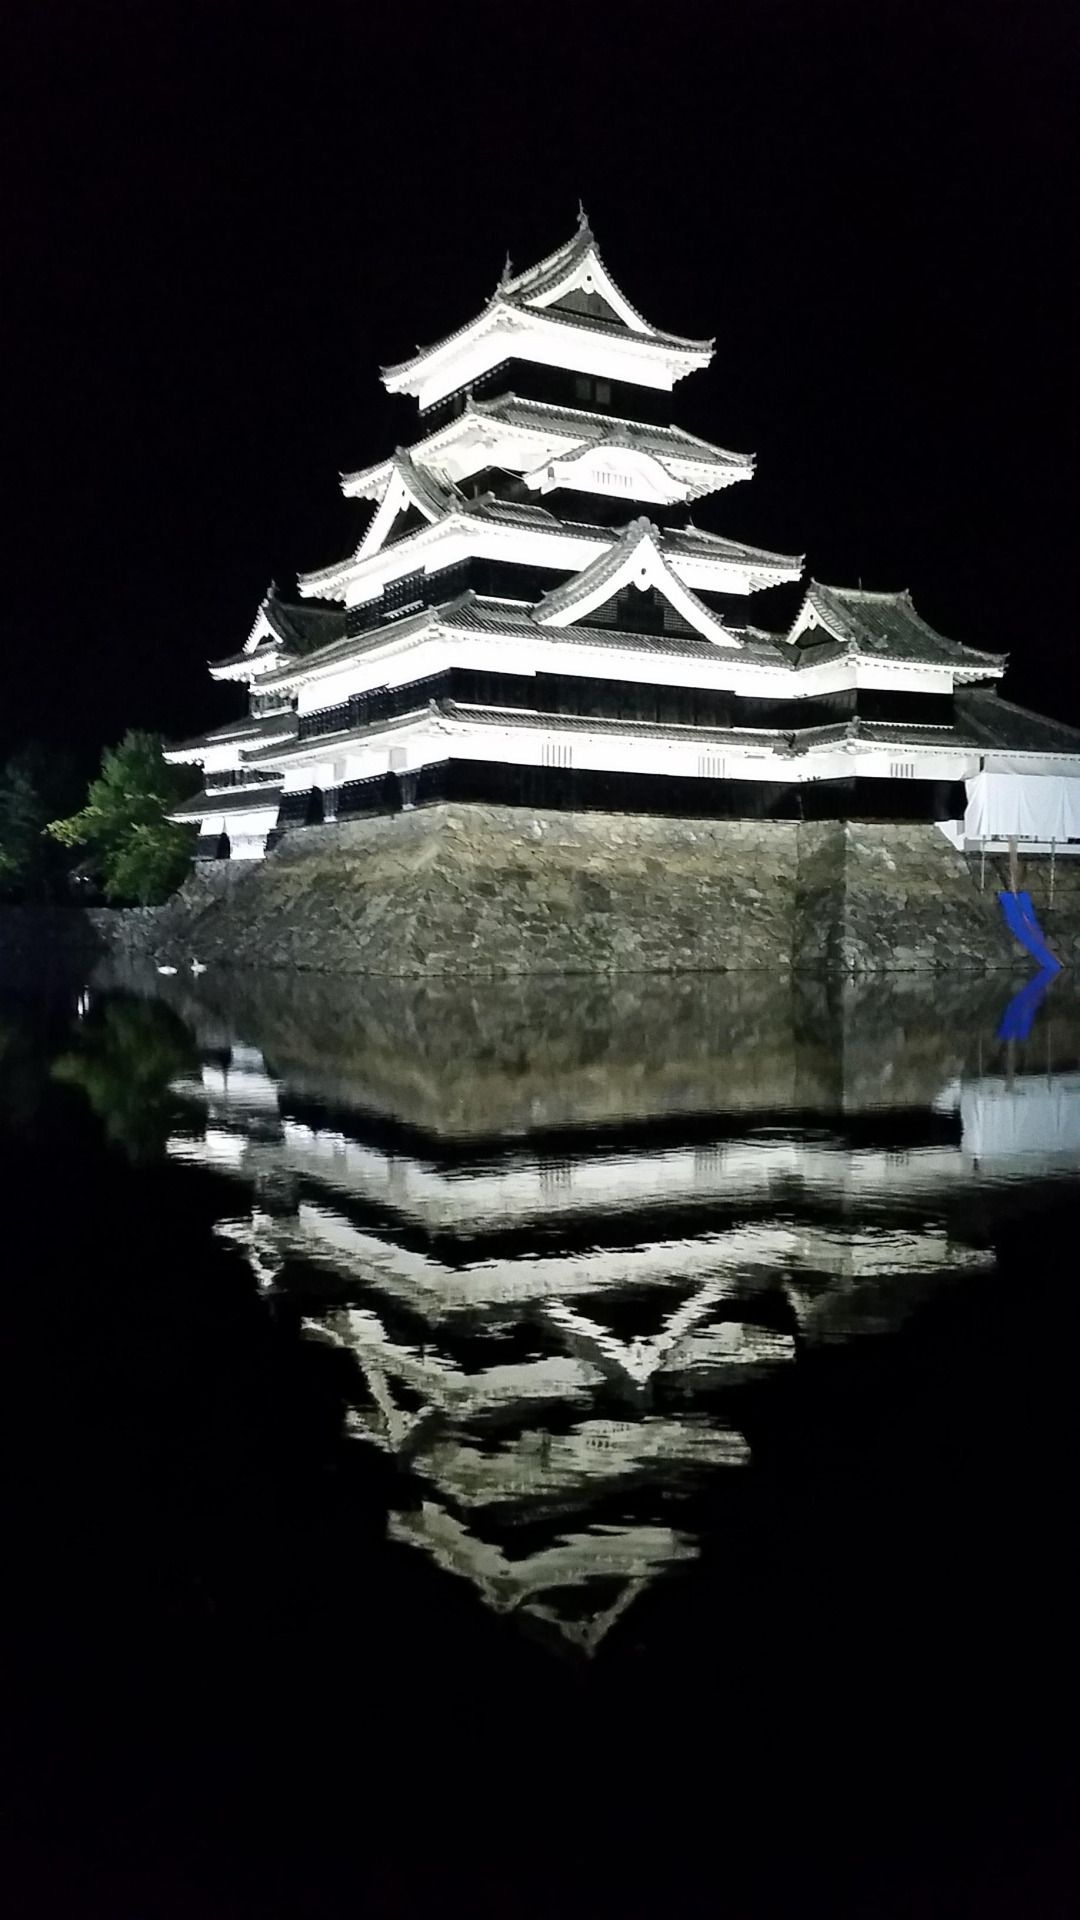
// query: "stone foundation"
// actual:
[[493, 891]]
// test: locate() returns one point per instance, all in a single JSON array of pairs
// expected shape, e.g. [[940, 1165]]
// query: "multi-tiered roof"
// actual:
[[534, 613]]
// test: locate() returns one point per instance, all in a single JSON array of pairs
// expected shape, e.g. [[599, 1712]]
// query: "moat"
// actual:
[[443, 1407]]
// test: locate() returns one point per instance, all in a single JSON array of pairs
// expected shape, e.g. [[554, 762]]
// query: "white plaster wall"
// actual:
[[396, 662], [579, 349], [423, 744], [448, 542]]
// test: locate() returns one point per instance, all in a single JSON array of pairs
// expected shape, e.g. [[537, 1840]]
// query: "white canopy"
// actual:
[[1031, 806]]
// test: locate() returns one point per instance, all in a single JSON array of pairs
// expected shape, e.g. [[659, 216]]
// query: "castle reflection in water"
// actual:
[[566, 1231]]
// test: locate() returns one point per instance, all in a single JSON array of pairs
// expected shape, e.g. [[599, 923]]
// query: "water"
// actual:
[[542, 1444]]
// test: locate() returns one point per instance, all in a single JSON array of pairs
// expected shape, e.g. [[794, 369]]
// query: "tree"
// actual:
[[137, 852], [128, 1055], [34, 785]]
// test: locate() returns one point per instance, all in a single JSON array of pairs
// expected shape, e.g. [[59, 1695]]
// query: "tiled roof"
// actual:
[[467, 613], [512, 297], [232, 800], [520, 512], [532, 283], [539, 414], [535, 280], [603, 568], [424, 489], [870, 732], [632, 729], [364, 478], [608, 566], [695, 541], [885, 624], [629, 439], [354, 645], [582, 426], [299, 629], [250, 730], [241, 659], [778, 643], [990, 721], [350, 729], [303, 628], [474, 616], [688, 542], [596, 324]]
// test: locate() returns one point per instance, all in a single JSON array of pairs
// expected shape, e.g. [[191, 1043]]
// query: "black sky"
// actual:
[[217, 221]]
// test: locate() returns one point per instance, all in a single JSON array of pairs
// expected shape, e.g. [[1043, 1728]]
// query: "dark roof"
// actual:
[[883, 732], [592, 428], [696, 541], [983, 719], [470, 613], [498, 619], [634, 729], [522, 512], [547, 272], [597, 323], [241, 659], [885, 624], [990, 721], [301, 629], [231, 800], [249, 730], [353, 645]]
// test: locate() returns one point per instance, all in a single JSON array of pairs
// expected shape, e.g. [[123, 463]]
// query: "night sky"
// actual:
[[218, 221]]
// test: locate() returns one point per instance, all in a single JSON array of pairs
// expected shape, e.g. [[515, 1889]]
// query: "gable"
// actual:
[[641, 610], [408, 520], [587, 301], [581, 284], [260, 632], [635, 563], [409, 503], [605, 468]]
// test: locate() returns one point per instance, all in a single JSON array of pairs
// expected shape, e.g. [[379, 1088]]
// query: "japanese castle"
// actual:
[[534, 616]]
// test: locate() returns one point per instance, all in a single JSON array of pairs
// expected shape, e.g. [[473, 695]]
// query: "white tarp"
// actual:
[[1026, 1117], [1031, 806], [1031, 1116]]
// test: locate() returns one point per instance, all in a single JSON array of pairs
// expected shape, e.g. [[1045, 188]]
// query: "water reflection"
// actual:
[[129, 1053], [574, 1238]]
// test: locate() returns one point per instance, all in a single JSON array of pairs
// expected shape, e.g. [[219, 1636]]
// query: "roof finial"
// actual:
[[505, 275], [582, 217]]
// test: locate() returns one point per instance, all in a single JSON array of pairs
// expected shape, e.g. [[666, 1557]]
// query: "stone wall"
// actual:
[[462, 1059], [497, 891], [482, 890], [909, 903]]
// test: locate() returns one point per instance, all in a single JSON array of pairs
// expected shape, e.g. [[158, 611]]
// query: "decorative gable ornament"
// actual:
[[566, 311], [406, 487], [605, 466], [637, 560]]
